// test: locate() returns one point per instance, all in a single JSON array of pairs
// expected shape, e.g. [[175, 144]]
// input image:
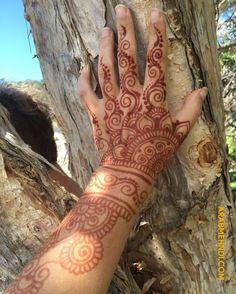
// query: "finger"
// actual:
[[93, 106], [127, 49], [154, 84], [106, 68], [85, 91], [191, 108]]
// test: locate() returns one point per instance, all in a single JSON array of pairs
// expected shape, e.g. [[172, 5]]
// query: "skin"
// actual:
[[135, 136]]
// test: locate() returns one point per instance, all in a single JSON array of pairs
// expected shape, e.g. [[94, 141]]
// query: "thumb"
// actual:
[[192, 107], [85, 91]]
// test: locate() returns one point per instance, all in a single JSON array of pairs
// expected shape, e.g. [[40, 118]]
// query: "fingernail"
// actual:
[[155, 15], [105, 32], [121, 10], [203, 92]]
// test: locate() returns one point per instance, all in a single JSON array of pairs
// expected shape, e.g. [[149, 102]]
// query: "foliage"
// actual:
[[36, 89]]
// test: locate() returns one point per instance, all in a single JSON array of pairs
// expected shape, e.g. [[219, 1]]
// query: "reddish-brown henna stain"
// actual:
[[143, 136], [83, 230], [128, 187], [139, 137]]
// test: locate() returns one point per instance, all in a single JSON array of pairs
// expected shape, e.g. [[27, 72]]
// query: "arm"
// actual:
[[135, 136], [88, 243]]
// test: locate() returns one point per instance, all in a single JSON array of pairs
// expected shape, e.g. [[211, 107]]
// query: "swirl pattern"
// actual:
[[142, 134], [80, 238], [135, 138], [79, 256]]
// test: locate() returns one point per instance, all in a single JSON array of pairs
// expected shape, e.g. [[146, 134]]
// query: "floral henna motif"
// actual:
[[80, 256], [136, 138], [142, 134], [31, 281]]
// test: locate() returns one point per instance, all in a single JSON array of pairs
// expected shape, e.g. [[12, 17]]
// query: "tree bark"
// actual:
[[173, 247]]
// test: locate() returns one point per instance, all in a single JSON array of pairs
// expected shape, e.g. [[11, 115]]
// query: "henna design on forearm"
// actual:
[[128, 187], [135, 141], [80, 235]]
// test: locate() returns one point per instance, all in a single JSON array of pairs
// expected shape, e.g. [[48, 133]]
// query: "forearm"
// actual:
[[136, 134], [88, 243]]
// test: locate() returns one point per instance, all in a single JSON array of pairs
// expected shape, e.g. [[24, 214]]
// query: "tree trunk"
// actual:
[[173, 247]]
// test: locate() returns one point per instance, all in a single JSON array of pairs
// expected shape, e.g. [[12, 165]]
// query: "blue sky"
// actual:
[[16, 59]]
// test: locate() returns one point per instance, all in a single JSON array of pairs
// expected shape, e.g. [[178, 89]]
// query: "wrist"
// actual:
[[129, 185], [139, 172]]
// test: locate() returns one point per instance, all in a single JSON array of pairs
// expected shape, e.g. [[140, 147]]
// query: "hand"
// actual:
[[132, 126], [135, 135]]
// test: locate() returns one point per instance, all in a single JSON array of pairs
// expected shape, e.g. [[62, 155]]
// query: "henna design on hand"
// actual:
[[135, 140], [142, 136]]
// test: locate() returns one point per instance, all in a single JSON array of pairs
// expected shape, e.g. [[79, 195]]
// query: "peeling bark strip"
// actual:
[[174, 248]]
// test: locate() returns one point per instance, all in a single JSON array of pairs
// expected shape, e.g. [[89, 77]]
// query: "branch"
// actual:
[[227, 46], [226, 4], [227, 20]]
